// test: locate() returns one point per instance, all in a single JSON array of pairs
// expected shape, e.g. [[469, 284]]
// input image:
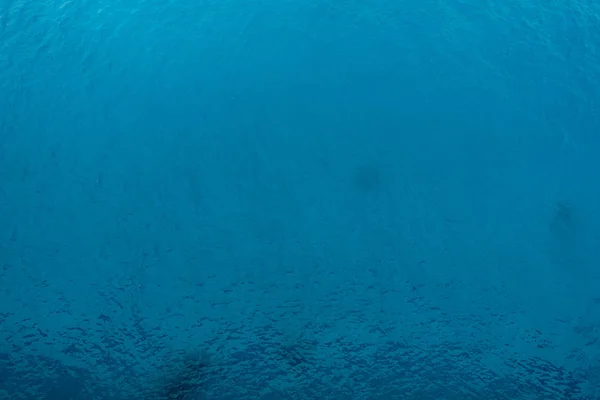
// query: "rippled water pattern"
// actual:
[[300, 200]]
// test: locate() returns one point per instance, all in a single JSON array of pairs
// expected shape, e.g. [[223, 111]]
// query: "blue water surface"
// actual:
[[351, 200]]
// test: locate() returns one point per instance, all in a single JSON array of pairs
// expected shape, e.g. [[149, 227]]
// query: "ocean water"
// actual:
[[346, 200]]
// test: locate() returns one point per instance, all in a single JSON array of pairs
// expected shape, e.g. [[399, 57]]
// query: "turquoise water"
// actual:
[[299, 200]]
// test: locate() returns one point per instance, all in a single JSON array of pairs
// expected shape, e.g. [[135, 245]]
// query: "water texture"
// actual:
[[299, 200]]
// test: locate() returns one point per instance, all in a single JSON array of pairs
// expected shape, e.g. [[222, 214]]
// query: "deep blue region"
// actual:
[[299, 200]]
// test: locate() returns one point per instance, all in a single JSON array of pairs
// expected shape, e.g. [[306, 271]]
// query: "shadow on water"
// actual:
[[188, 379], [563, 221]]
